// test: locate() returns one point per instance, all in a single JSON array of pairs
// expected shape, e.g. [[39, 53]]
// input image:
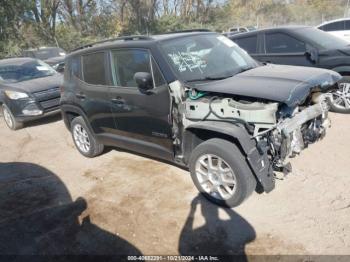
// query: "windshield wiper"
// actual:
[[245, 69], [210, 78]]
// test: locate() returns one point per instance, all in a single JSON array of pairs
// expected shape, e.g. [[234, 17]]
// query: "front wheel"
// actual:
[[221, 173], [10, 120], [339, 100]]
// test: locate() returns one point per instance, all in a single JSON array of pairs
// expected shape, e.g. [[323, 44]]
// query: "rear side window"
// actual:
[[335, 26], [94, 68], [249, 44], [127, 63], [283, 43]]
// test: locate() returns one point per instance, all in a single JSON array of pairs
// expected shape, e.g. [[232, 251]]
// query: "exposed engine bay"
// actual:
[[279, 130]]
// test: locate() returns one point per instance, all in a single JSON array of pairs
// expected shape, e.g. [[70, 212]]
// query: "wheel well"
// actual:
[[194, 137], [70, 116]]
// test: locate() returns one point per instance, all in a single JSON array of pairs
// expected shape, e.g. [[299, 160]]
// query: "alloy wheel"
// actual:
[[341, 97], [215, 177], [81, 138], [8, 117]]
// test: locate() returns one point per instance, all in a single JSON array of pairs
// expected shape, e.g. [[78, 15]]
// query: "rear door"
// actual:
[[142, 119], [282, 48], [92, 92]]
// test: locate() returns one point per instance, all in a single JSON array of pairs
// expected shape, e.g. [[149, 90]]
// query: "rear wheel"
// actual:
[[221, 173], [340, 99], [10, 120], [84, 140]]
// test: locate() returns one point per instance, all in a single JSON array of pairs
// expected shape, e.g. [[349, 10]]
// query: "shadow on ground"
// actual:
[[45, 120], [38, 216], [217, 236]]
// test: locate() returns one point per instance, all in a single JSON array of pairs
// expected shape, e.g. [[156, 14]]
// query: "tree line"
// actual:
[[70, 23]]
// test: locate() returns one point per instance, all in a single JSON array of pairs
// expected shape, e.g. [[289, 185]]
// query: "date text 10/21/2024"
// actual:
[[173, 258]]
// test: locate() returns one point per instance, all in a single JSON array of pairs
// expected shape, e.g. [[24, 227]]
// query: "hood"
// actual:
[[36, 85], [286, 84], [54, 60]]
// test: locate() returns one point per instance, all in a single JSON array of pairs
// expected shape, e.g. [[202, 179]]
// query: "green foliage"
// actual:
[[72, 23], [68, 38]]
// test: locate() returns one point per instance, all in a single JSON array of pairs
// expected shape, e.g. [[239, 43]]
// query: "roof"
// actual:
[[43, 48], [335, 20], [272, 29], [16, 61], [136, 41]]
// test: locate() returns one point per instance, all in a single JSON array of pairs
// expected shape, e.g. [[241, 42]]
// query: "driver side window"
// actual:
[[127, 62], [283, 43]]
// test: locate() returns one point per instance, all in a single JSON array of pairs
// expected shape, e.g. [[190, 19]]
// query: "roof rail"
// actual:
[[188, 31], [125, 38]]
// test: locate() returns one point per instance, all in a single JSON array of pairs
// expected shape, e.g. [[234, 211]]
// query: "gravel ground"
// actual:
[[55, 201]]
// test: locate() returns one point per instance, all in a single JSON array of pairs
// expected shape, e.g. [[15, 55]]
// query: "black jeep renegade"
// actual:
[[198, 100]]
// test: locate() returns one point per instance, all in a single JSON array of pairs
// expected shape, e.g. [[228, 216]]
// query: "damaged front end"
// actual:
[[277, 129], [273, 131], [292, 134], [271, 112]]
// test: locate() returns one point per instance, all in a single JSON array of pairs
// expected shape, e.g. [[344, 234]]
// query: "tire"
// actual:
[[10, 120], [233, 161], [339, 98], [84, 140]]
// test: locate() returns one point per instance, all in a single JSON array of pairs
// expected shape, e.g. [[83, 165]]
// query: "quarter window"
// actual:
[[157, 75], [249, 44], [75, 66], [282, 43], [94, 69]]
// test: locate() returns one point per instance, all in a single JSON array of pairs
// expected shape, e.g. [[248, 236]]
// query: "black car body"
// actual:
[[302, 46], [195, 99], [54, 56], [29, 89]]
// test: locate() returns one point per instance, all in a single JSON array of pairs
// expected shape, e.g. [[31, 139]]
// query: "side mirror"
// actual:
[[312, 54], [144, 81]]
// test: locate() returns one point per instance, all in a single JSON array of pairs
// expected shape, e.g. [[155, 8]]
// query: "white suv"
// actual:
[[339, 28]]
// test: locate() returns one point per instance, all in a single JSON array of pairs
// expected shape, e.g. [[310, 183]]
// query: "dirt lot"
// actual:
[[54, 201]]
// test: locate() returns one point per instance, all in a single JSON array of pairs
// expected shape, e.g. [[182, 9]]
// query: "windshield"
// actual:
[[45, 53], [206, 57], [27, 71], [322, 39]]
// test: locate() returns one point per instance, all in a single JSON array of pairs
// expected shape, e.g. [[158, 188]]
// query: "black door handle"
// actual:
[[118, 100], [80, 96]]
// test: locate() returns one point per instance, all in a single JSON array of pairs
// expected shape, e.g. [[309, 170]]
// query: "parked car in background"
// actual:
[[29, 89], [54, 56], [198, 100], [339, 28], [303, 46], [238, 30]]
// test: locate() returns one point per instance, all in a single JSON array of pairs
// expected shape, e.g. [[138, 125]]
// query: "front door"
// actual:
[[284, 49], [142, 119]]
